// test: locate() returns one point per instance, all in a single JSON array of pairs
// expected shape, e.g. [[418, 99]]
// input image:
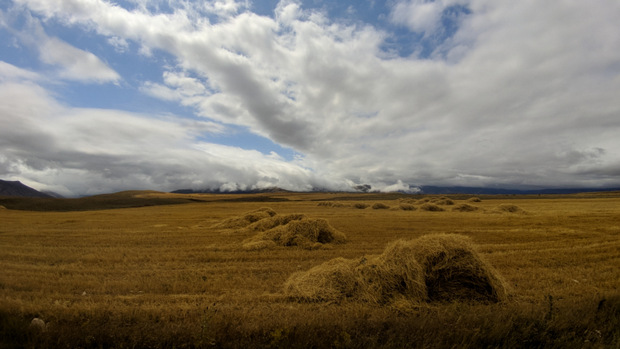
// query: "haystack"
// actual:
[[442, 201], [454, 271], [330, 204], [380, 206], [274, 221], [431, 207], [435, 268], [474, 199], [509, 208], [465, 208], [332, 281], [247, 219], [393, 274], [360, 205], [407, 207], [306, 233]]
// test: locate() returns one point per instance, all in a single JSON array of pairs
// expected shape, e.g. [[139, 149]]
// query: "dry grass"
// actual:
[[360, 205], [163, 276]]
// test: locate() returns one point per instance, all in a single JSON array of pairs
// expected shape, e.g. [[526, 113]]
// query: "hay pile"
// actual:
[[273, 221], [331, 204], [474, 199], [433, 268], [431, 207], [305, 232], [380, 206], [442, 201], [454, 271], [247, 219], [360, 205], [509, 208], [407, 207], [465, 208]]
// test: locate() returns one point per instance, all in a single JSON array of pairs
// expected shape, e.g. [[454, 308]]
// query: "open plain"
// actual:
[[170, 273]]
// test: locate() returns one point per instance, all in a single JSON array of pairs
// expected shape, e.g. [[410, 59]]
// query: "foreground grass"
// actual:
[[164, 277]]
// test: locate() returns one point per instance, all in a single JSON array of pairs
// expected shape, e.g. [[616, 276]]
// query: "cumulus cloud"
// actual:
[[519, 94]]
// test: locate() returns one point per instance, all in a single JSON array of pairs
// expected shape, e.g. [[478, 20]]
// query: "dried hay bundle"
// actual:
[[509, 208], [274, 221], [423, 201], [331, 204], [360, 205], [393, 274], [305, 232], [442, 268], [474, 199], [332, 281], [407, 207], [431, 207], [247, 219], [442, 201], [380, 206], [465, 208], [454, 271]]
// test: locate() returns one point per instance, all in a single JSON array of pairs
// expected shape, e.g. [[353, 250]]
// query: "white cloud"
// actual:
[[76, 64], [422, 15], [11, 72], [520, 94]]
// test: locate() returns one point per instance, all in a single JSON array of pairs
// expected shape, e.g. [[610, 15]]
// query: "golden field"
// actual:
[[167, 274]]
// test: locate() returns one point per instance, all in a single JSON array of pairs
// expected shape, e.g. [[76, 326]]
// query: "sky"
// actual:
[[100, 96]]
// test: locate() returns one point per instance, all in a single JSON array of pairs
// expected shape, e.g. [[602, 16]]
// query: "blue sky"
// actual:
[[100, 96]]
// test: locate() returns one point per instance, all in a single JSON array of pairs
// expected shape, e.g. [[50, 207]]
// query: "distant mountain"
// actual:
[[429, 189], [17, 188], [500, 191]]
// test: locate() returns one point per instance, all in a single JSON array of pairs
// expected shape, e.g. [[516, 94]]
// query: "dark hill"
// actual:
[[124, 199], [17, 188]]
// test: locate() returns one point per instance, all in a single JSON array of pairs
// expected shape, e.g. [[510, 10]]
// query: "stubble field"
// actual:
[[177, 275]]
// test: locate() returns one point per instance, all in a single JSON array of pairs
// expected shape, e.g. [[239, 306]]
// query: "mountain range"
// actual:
[[17, 188]]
